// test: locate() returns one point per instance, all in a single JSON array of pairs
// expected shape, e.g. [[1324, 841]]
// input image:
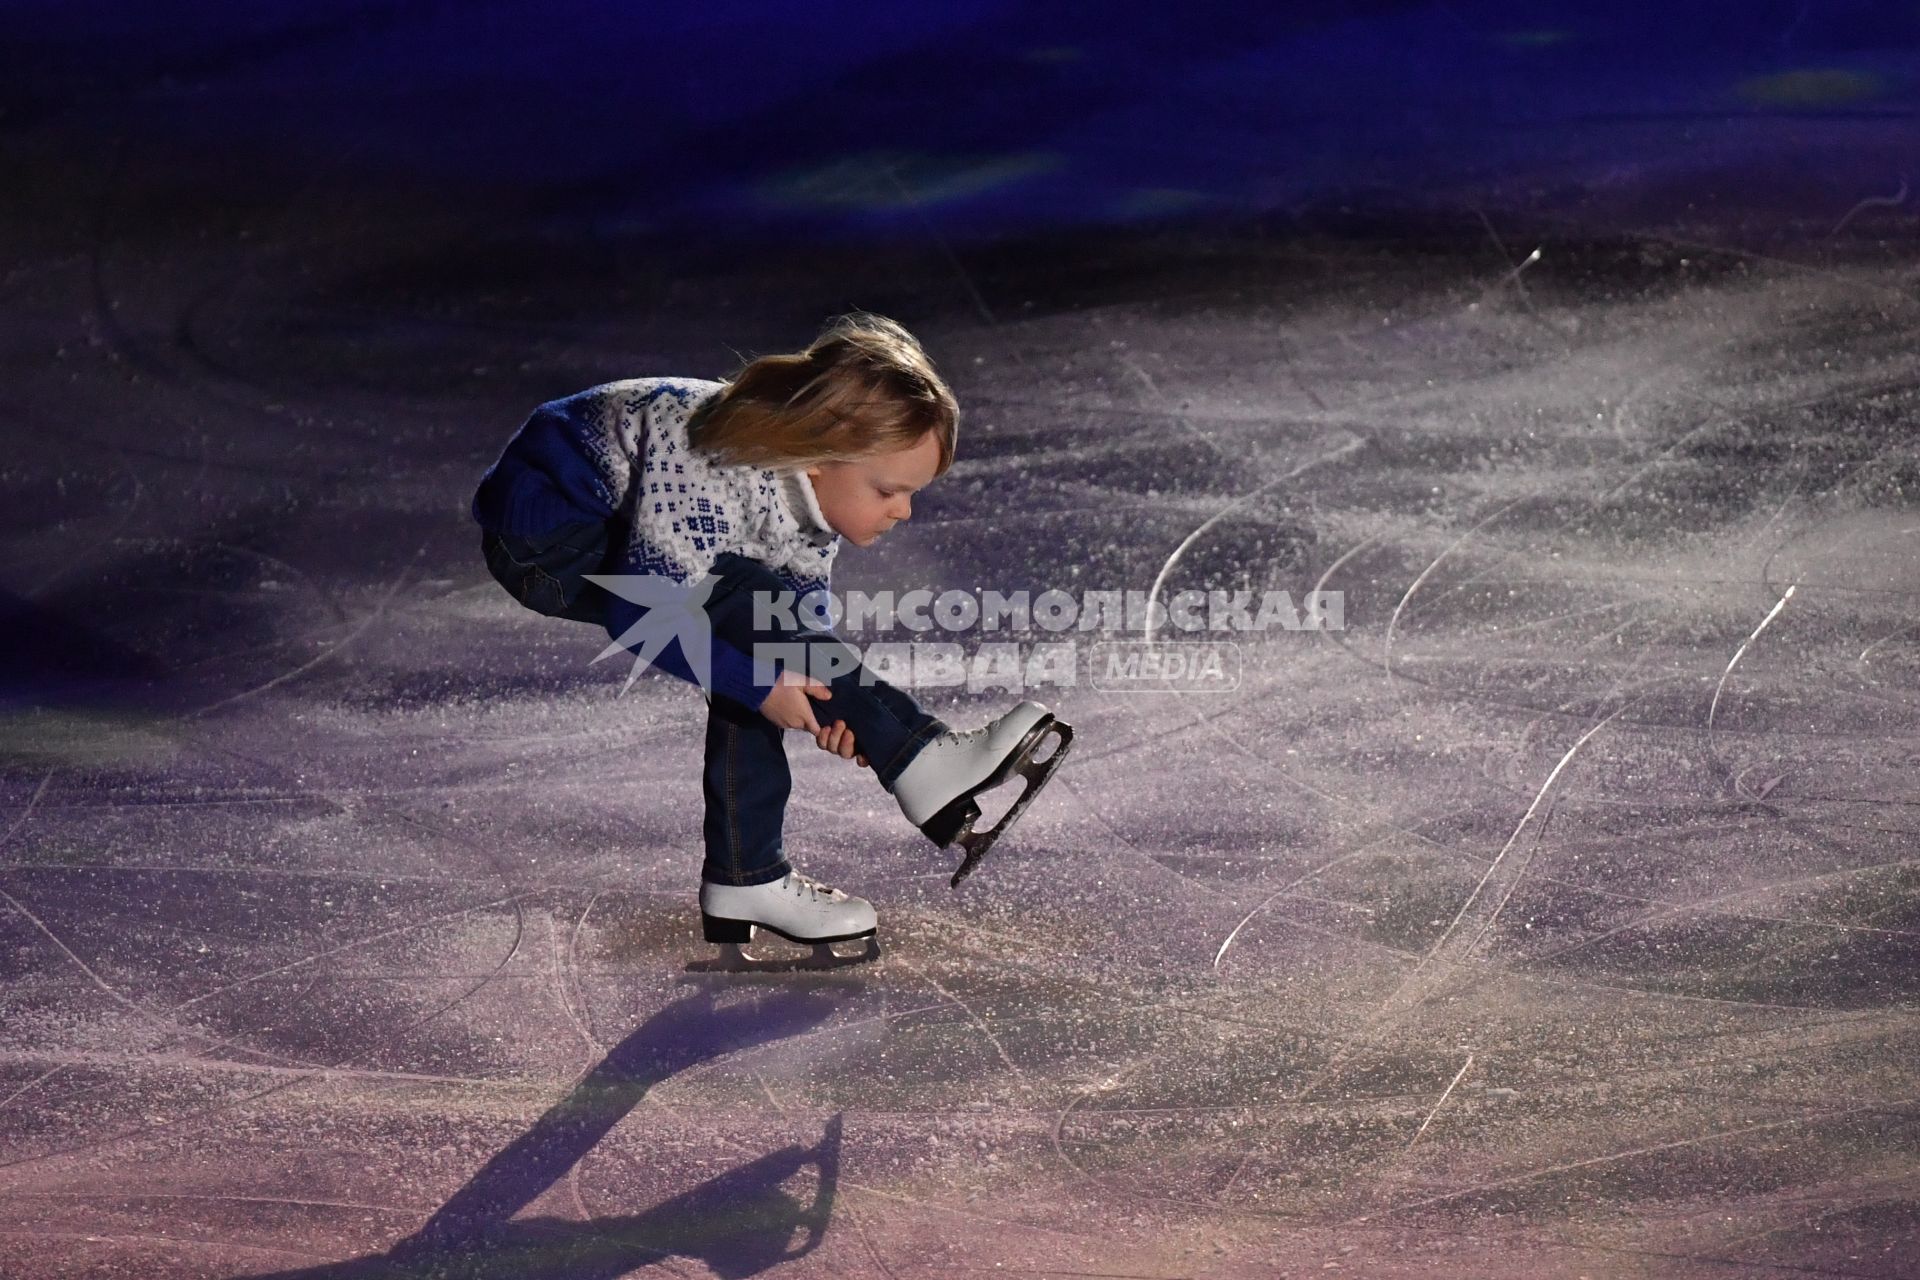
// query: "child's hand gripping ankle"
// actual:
[[789, 705]]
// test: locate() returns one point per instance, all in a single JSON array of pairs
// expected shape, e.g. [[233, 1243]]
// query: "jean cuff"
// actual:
[[777, 872]]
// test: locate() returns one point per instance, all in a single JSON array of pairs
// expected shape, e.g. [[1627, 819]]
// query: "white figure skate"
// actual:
[[937, 790], [797, 908]]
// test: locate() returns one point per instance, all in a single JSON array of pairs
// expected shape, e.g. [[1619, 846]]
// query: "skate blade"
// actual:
[[818, 958], [1036, 773]]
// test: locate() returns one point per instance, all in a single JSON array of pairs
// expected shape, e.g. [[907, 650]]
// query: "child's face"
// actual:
[[865, 497]]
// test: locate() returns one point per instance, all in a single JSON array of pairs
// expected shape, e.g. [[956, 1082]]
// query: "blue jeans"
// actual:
[[746, 780]]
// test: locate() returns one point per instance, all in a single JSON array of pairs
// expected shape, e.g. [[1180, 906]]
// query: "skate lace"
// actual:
[[812, 887], [967, 736]]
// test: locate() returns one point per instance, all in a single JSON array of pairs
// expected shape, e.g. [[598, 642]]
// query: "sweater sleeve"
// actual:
[[546, 476]]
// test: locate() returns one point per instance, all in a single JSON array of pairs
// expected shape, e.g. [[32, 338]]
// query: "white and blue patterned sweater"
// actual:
[[618, 453]]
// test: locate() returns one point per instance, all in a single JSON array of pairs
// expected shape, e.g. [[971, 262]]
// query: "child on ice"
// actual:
[[726, 491]]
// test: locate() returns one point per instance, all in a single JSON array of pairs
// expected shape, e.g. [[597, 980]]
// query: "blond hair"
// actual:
[[864, 386]]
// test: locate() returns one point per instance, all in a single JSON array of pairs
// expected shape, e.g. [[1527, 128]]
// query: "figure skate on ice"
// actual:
[[797, 908]]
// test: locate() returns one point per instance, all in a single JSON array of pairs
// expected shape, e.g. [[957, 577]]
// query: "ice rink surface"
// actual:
[[1557, 917]]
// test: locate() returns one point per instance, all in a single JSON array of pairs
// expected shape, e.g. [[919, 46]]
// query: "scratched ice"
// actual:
[[1557, 916]]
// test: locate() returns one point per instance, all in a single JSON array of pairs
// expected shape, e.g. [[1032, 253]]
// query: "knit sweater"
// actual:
[[619, 453]]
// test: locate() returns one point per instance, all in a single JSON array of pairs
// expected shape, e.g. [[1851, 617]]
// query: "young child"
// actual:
[[742, 489]]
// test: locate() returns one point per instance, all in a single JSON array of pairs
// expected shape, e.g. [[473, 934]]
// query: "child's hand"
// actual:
[[789, 704], [838, 739]]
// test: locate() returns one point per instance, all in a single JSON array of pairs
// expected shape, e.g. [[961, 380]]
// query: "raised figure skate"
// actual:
[[937, 790]]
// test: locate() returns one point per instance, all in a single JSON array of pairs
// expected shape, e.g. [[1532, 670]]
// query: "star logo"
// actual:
[[672, 611]]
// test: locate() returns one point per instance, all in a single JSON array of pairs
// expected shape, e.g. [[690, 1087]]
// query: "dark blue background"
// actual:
[[991, 116]]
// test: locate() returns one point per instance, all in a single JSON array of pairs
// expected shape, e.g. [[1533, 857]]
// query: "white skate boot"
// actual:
[[797, 908], [936, 791]]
